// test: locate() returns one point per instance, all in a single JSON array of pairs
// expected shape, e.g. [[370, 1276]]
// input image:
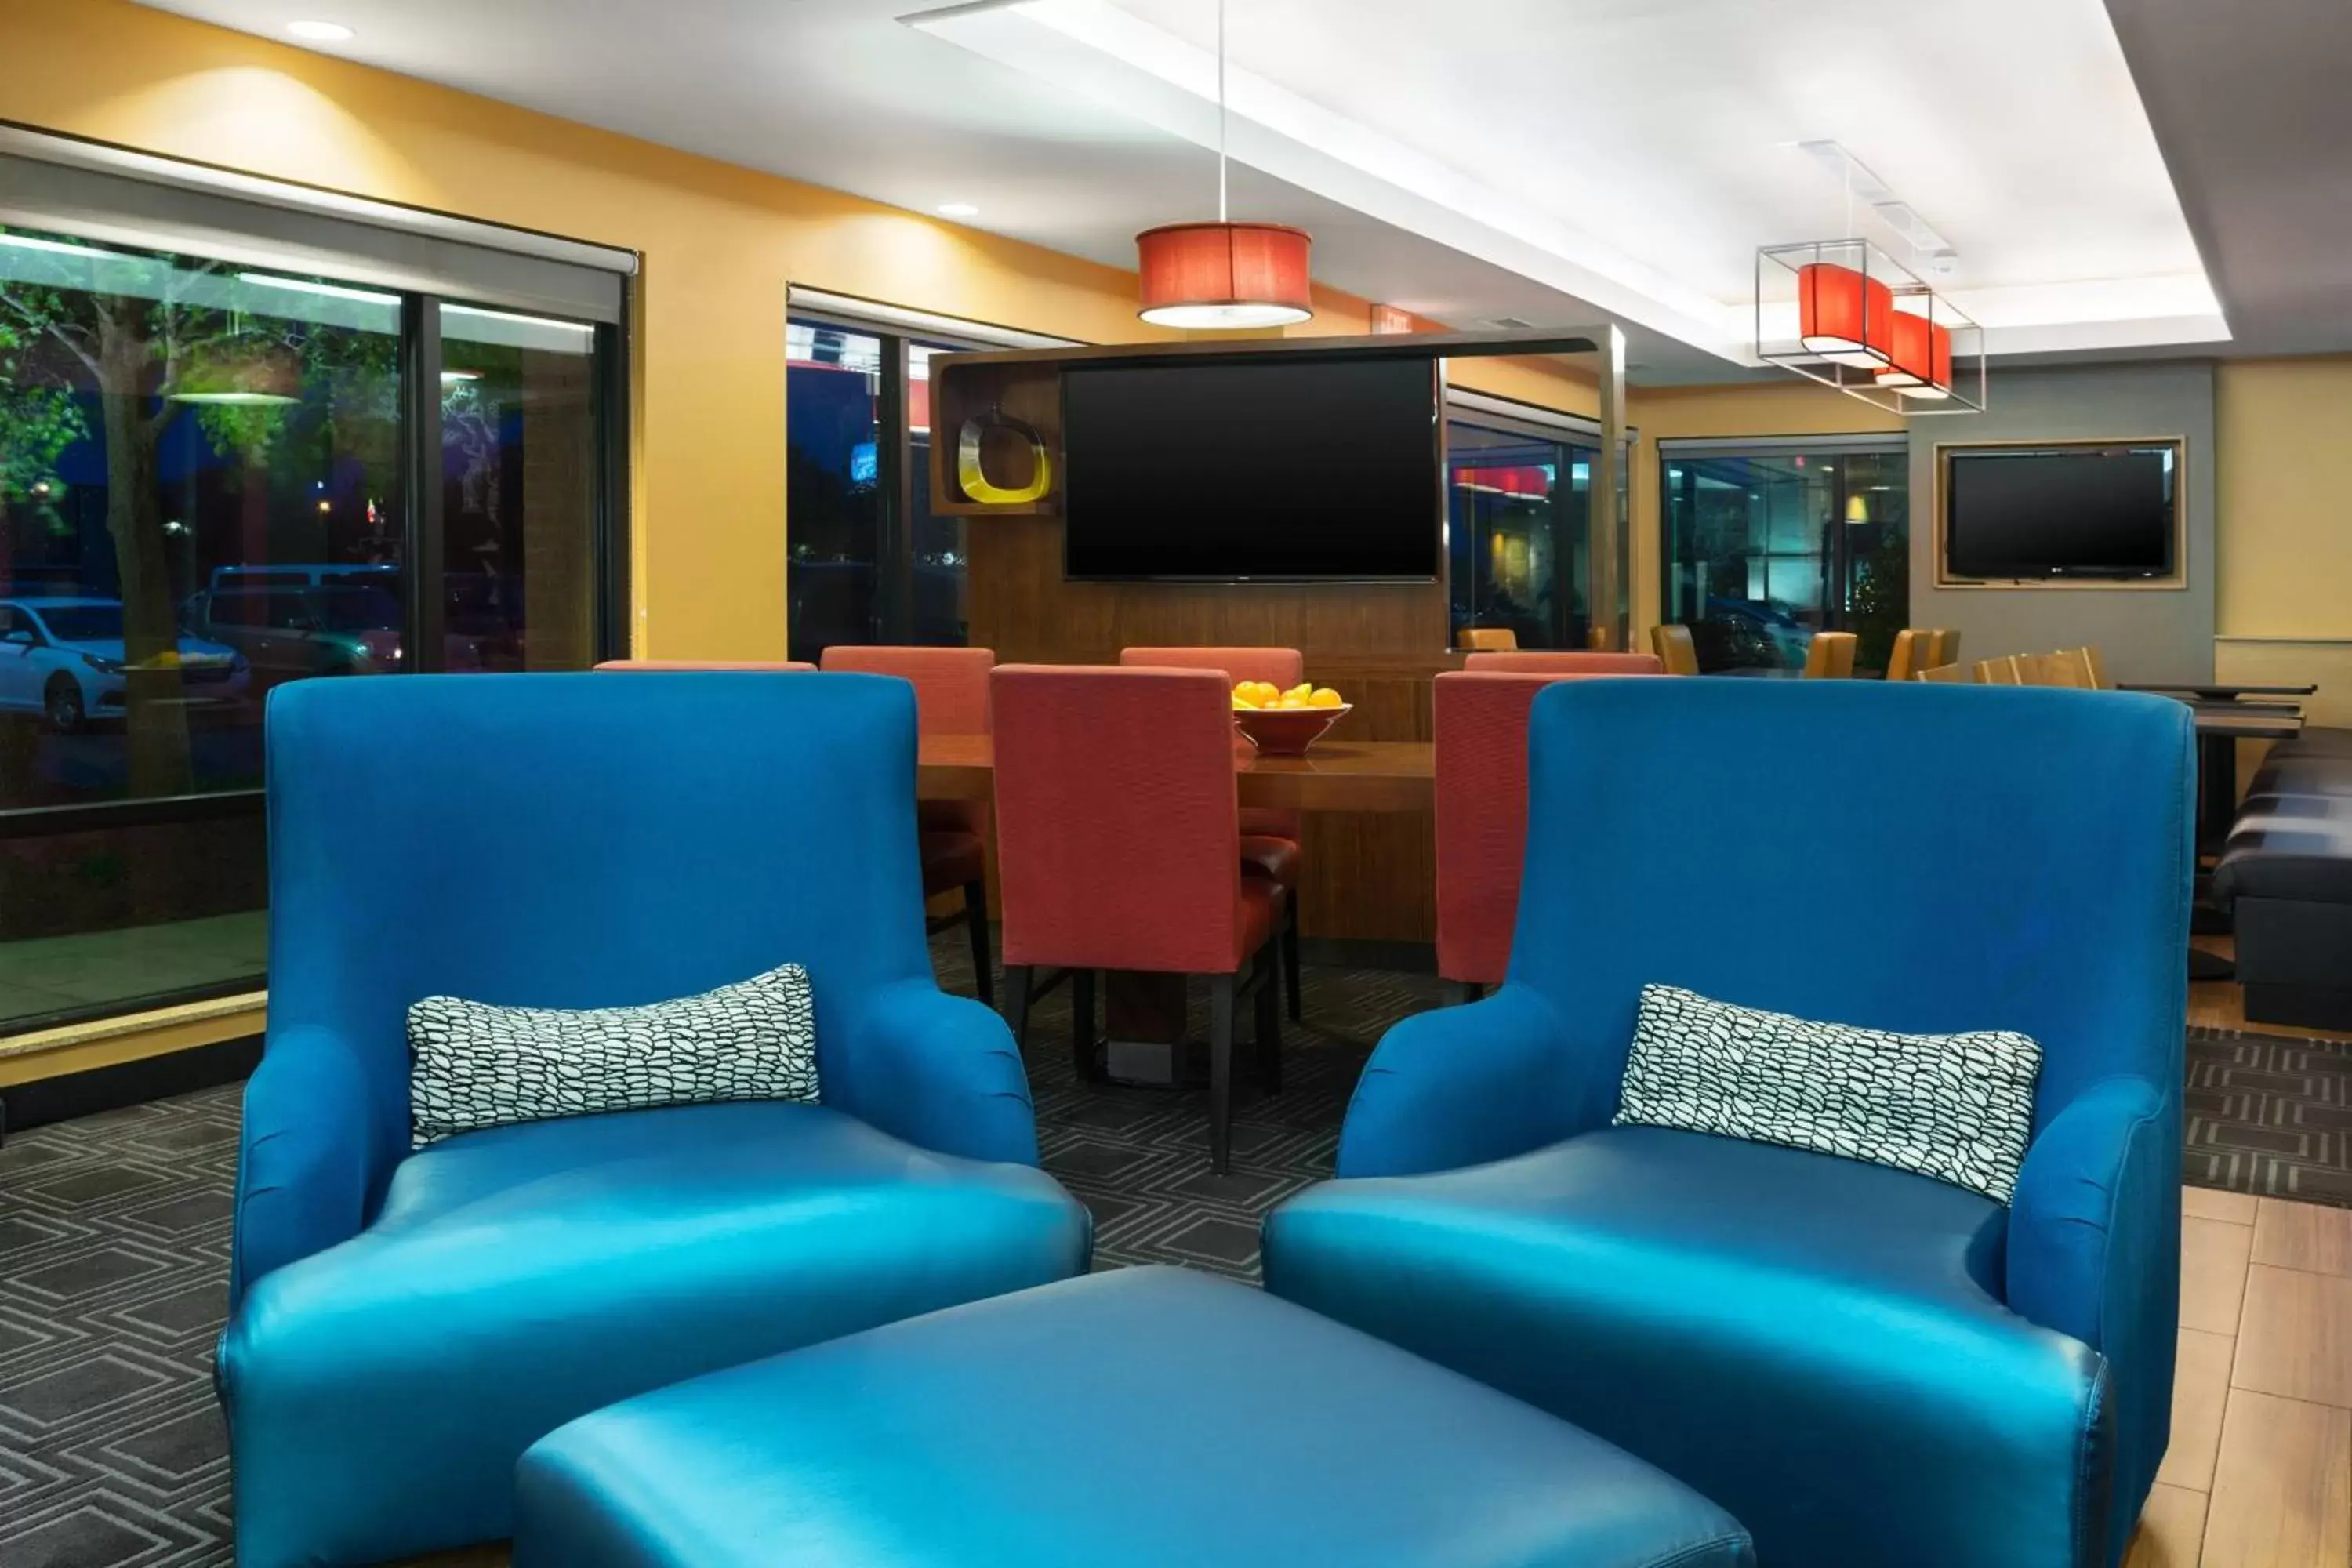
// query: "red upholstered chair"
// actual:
[[1118, 846], [1482, 817], [771, 666], [1270, 837], [950, 699], [1571, 661]]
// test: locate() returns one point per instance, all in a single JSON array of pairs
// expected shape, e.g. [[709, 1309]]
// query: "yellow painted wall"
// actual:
[[2284, 539]]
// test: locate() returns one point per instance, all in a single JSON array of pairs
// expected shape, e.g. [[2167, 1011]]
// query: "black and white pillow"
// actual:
[[1959, 1108], [474, 1066]]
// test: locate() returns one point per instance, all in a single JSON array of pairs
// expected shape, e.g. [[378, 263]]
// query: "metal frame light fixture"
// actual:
[[1843, 313], [1224, 275]]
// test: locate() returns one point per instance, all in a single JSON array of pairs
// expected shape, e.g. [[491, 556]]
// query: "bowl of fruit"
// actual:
[[1285, 723]]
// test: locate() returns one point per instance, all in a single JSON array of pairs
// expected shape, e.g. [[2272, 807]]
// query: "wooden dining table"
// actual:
[[1346, 775], [1144, 1014]]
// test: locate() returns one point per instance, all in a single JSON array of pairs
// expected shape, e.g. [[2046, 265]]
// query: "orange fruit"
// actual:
[[1323, 697]]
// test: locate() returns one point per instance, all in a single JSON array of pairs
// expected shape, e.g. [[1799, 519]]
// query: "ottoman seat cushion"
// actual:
[[1143, 1417]]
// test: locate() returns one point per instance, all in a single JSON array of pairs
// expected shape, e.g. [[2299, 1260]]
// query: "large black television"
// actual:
[[1281, 469], [2087, 510]]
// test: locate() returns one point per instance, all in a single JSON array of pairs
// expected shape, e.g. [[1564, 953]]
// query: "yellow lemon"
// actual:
[[1240, 703], [1303, 690], [1323, 697]]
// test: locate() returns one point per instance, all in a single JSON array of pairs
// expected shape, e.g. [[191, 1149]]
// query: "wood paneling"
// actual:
[[1381, 644]]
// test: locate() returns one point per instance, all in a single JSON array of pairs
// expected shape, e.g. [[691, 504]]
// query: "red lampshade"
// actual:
[[1844, 317], [1922, 355], [1224, 275]]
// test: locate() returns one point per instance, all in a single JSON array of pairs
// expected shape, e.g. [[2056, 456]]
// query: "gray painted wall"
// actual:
[[2145, 633]]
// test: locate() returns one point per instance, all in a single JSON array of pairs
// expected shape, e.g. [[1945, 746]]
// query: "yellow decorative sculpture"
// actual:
[[973, 479]]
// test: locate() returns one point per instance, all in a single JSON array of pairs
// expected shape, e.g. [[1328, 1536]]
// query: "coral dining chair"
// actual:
[[950, 699], [1118, 848]]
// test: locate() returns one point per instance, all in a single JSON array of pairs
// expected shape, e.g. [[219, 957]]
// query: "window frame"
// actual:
[[896, 329], [420, 515]]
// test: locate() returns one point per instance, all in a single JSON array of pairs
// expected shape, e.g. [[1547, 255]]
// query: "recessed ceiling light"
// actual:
[[320, 32], [958, 209]]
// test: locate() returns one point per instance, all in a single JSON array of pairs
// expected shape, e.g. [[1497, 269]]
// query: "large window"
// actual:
[[1519, 522], [217, 477], [870, 563], [1767, 543]]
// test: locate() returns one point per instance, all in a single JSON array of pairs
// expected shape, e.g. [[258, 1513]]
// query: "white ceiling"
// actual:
[[1548, 159]]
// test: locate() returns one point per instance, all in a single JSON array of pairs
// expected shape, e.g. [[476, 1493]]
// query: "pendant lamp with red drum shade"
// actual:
[[1224, 275], [1845, 316], [1212, 275]]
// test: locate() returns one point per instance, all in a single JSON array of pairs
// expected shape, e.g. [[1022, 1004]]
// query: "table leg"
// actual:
[[2217, 813]]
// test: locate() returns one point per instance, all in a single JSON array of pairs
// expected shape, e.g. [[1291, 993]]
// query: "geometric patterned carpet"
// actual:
[[2270, 1116], [114, 1240]]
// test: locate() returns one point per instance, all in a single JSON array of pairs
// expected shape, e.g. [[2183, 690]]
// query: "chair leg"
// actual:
[[975, 915], [1082, 1027], [1016, 1003], [1270, 1032], [1465, 991], [1221, 1072], [1290, 957]]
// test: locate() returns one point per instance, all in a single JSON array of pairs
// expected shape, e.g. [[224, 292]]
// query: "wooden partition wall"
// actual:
[[1366, 877], [1380, 644]]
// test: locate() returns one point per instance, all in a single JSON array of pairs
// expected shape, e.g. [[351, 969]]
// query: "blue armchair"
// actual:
[[1864, 1366], [405, 1323]]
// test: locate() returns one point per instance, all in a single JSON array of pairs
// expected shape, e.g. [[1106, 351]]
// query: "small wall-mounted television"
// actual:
[[2079, 510], [1280, 468]]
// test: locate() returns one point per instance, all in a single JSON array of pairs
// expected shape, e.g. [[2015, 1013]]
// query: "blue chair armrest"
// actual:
[[937, 1070], [1462, 1086], [2094, 1201], [2094, 1253], [309, 1161]]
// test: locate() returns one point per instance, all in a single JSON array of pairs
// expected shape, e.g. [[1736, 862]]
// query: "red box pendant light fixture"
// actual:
[[1841, 312]]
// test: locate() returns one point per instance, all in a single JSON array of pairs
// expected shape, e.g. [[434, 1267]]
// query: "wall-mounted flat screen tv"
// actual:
[[2017, 513], [1278, 469]]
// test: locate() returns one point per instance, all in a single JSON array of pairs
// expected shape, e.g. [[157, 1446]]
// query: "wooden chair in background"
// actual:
[[2089, 667], [1489, 639], [2002, 671], [1904, 661], [1952, 673], [1830, 657], [2050, 669], [1943, 646], [1674, 648]]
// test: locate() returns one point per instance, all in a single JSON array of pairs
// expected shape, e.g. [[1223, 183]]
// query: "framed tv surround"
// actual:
[[1973, 558]]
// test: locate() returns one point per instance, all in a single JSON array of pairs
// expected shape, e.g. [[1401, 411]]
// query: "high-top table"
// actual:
[[1144, 1014]]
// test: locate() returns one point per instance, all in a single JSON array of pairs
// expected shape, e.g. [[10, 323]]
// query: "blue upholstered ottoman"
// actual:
[[1145, 1416]]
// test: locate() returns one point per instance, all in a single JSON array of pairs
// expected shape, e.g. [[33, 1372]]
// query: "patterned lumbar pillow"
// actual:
[[474, 1066], [1957, 1108]]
